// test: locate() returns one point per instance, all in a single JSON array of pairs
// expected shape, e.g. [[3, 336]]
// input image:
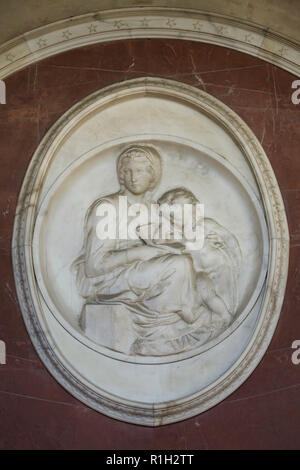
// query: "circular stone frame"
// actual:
[[161, 413]]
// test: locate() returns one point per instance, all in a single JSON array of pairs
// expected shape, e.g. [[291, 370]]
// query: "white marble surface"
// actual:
[[75, 168]]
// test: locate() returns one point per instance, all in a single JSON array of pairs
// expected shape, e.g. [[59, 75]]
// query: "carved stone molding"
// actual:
[[202, 145], [145, 22]]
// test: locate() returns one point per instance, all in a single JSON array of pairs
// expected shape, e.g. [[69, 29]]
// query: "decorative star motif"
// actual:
[[249, 37], [282, 51], [10, 57], [92, 28], [144, 23], [42, 42], [171, 23], [119, 24], [198, 25], [220, 29], [67, 34]]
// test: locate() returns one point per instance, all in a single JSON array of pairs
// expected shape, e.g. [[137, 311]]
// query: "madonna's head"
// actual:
[[139, 169]]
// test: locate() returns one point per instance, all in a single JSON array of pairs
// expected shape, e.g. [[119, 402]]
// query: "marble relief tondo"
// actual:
[[175, 293], [150, 251]]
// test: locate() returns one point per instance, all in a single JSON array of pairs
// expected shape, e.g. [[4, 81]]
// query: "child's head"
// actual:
[[178, 196]]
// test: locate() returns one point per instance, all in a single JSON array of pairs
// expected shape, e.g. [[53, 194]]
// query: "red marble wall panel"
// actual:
[[36, 412]]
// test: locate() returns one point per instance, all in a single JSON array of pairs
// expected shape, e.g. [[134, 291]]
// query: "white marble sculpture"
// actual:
[[171, 296]]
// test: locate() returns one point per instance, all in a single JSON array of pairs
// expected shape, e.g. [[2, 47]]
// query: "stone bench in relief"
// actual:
[[109, 326]]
